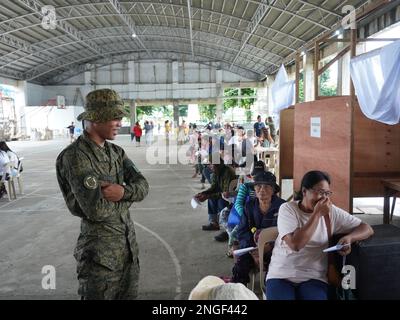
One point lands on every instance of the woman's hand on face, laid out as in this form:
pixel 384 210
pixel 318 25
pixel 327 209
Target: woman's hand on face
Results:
pixel 323 207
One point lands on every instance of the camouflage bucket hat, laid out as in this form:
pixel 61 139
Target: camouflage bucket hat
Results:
pixel 103 105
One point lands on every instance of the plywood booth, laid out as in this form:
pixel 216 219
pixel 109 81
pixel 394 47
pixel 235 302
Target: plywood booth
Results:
pixel 286 144
pixel 323 141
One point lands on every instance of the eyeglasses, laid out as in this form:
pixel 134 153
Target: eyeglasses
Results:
pixel 323 192
pixel 263 186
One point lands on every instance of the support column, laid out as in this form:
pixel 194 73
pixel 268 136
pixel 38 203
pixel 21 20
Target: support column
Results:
pixel 316 70
pixel 176 114
pixel 308 77
pixel 131 80
pixel 297 78
pixel 88 78
pixel 345 72
pixel 175 94
pixel 340 77
pixel 220 94
pixel 132 108
pixel 220 104
pixel 353 49
pixel 270 82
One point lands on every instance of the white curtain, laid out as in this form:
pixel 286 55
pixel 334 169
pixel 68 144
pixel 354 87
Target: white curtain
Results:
pixel 376 78
pixel 282 92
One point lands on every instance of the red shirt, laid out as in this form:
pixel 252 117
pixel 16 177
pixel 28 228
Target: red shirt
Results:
pixel 137 130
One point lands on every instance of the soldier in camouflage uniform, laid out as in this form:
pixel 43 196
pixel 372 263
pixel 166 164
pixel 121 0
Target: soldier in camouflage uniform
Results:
pixel 99 184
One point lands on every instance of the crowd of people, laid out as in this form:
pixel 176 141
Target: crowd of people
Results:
pixel 240 204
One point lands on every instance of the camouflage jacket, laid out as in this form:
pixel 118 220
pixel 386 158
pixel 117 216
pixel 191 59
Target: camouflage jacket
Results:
pixel 220 183
pixel 106 227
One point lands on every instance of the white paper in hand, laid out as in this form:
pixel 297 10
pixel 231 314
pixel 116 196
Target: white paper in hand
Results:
pixel 241 252
pixel 336 248
pixel 194 203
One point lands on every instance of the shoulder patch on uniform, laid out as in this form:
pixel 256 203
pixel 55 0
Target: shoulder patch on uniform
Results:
pixel 91 182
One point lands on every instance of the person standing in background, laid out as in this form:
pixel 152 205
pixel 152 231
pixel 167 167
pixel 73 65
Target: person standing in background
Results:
pixel 137 131
pixel 272 131
pixel 71 128
pixel 167 131
pixel 258 126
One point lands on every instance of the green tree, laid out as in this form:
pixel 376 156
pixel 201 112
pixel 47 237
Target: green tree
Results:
pixel 148 111
pixel 327 90
pixel 233 102
pixel 183 111
pixel 142 111
pixel 247 103
pixel 208 112
pixel 301 88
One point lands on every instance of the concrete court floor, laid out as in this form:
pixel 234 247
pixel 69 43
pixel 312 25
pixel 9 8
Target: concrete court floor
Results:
pixel 38 230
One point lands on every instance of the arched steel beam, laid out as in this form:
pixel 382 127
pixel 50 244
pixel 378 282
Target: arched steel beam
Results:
pixel 143 56
pixel 35 73
pixel 98 34
pixel 84 14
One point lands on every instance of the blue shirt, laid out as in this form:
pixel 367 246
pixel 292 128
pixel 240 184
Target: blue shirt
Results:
pixel 253 217
pixel 257 127
pixel 245 190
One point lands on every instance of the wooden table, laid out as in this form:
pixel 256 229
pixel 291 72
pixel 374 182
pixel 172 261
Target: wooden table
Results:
pixel 392 189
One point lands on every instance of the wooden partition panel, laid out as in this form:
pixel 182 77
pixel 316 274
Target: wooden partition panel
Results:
pixel 331 151
pixel 286 144
pixel 376 155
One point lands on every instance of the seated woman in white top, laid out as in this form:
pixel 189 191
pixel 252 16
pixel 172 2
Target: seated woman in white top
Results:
pixel 10 157
pixel 4 159
pixel 298 268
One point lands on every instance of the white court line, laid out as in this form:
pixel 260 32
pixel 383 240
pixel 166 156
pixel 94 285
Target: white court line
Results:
pixel 178 269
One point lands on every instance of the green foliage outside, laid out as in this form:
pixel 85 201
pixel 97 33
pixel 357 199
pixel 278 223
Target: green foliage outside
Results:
pixel 148 111
pixel 245 103
pixel 183 111
pixel 326 89
pixel 208 112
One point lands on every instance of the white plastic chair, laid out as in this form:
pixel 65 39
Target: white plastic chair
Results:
pixel 266 235
pixel 9 184
pixel 18 176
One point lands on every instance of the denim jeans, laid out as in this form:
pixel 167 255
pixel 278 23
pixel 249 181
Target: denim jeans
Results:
pixel 282 289
pixel 206 173
pixel 214 207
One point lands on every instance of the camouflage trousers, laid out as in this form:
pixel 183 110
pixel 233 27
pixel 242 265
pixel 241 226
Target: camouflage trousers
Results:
pixel 97 282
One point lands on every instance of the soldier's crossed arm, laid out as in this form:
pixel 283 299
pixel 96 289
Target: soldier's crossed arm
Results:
pixel 86 191
pixel 136 186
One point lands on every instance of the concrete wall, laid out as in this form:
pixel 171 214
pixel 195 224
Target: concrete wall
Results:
pixel 17 91
pixel 55 119
pixel 146 81
pixel 156 71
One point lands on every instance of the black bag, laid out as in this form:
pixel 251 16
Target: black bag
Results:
pixel 377 264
